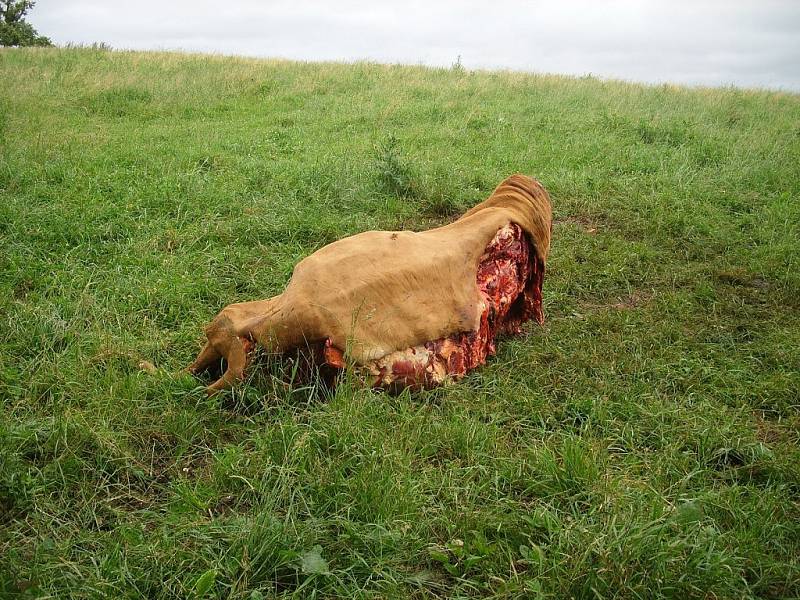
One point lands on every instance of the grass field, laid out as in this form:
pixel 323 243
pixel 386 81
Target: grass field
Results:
pixel 643 443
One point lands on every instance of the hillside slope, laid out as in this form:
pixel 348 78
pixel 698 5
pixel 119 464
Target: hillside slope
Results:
pixel 643 443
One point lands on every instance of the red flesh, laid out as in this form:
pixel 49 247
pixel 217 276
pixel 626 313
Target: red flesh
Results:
pixel 510 285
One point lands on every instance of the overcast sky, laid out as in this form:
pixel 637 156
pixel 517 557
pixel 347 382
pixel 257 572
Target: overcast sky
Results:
pixel 751 43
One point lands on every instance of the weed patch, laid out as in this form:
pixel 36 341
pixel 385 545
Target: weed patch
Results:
pixel 118 102
pixel 394 175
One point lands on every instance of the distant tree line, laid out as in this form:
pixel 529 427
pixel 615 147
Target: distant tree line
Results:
pixel 14 30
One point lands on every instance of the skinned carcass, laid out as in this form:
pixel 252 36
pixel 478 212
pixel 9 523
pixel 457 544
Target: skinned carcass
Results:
pixel 407 308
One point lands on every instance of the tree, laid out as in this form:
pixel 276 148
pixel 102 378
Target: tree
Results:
pixel 14 30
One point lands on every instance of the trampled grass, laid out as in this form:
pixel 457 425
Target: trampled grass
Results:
pixel 643 443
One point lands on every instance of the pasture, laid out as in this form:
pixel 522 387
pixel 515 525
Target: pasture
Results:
pixel 642 443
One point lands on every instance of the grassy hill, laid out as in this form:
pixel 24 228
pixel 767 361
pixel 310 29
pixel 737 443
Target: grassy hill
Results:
pixel 643 443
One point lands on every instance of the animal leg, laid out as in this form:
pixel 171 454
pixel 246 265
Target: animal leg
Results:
pixel 205 360
pixel 235 351
pixel 232 336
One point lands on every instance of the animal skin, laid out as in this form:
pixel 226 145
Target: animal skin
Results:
pixel 408 308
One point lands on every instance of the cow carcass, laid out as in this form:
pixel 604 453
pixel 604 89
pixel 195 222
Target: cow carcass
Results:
pixel 405 308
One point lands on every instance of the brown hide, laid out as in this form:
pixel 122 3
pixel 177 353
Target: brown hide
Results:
pixel 381 291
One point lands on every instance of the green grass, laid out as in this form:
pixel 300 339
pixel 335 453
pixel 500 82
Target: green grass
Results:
pixel 643 443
